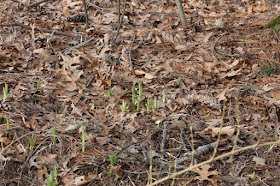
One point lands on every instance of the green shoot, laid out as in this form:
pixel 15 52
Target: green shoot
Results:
pixel 110 93
pixel 244 64
pixel 139 96
pixel 5 92
pixel 133 98
pixel 55 174
pixel 270 68
pixel 83 139
pixel 92 107
pixel 51 182
pixel 110 172
pixel 8 123
pixel 253 176
pixel 31 142
pixel 208 22
pixel 163 96
pixel 148 105
pixel 154 106
pixel 54 132
pixel 38 84
pixel 113 160
pixel 276 139
pixel 123 106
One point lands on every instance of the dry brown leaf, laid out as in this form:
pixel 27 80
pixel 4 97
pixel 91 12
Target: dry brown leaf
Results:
pixel 5 140
pixel 259 161
pixel 221 96
pixel 147 75
pixel 231 73
pixel 204 173
pixel 76 110
pixel 228 130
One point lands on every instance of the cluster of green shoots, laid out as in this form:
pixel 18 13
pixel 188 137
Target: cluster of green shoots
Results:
pixel 53 177
pixel 113 158
pixel 139 98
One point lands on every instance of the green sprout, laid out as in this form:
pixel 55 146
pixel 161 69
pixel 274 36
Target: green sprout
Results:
pixel 8 123
pixel 272 145
pixel 139 96
pixel 123 106
pixel 274 22
pixel 270 68
pixel 154 106
pixel 274 26
pixel 244 64
pixel 53 177
pixel 92 107
pixel 253 176
pixel 51 181
pixel 208 22
pixel 55 174
pixel 163 96
pixel 133 98
pixel 5 92
pixel 83 139
pixel 148 105
pixel 113 160
pixel 38 84
pixel 31 142
pixel 110 93
pixel 54 132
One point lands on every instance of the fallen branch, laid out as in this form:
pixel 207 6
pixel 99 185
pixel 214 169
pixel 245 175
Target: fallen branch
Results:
pixel 215 159
pixel 40 29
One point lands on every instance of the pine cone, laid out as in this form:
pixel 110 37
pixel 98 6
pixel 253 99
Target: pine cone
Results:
pixel 77 18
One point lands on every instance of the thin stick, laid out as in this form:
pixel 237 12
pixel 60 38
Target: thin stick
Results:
pixel 36 3
pixel 86 13
pixel 221 125
pixel 120 18
pixel 238 126
pixel 164 135
pixel 181 13
pixel 214 45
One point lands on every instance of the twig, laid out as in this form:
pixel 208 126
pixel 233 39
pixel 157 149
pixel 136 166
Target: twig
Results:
pixel 221 125
pixel 120 18
pixel 79 45
pixel 129 54
pixel 36 3
pixel 181 13
pixel 164 135
pixel 86 13
pixel 204 149
pixel 40 29
pixel 97 7
pixel 214 45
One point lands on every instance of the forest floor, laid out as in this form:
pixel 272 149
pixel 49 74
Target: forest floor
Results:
pixel 67 86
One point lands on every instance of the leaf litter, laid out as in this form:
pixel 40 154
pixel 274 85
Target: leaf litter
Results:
pixel 219 57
